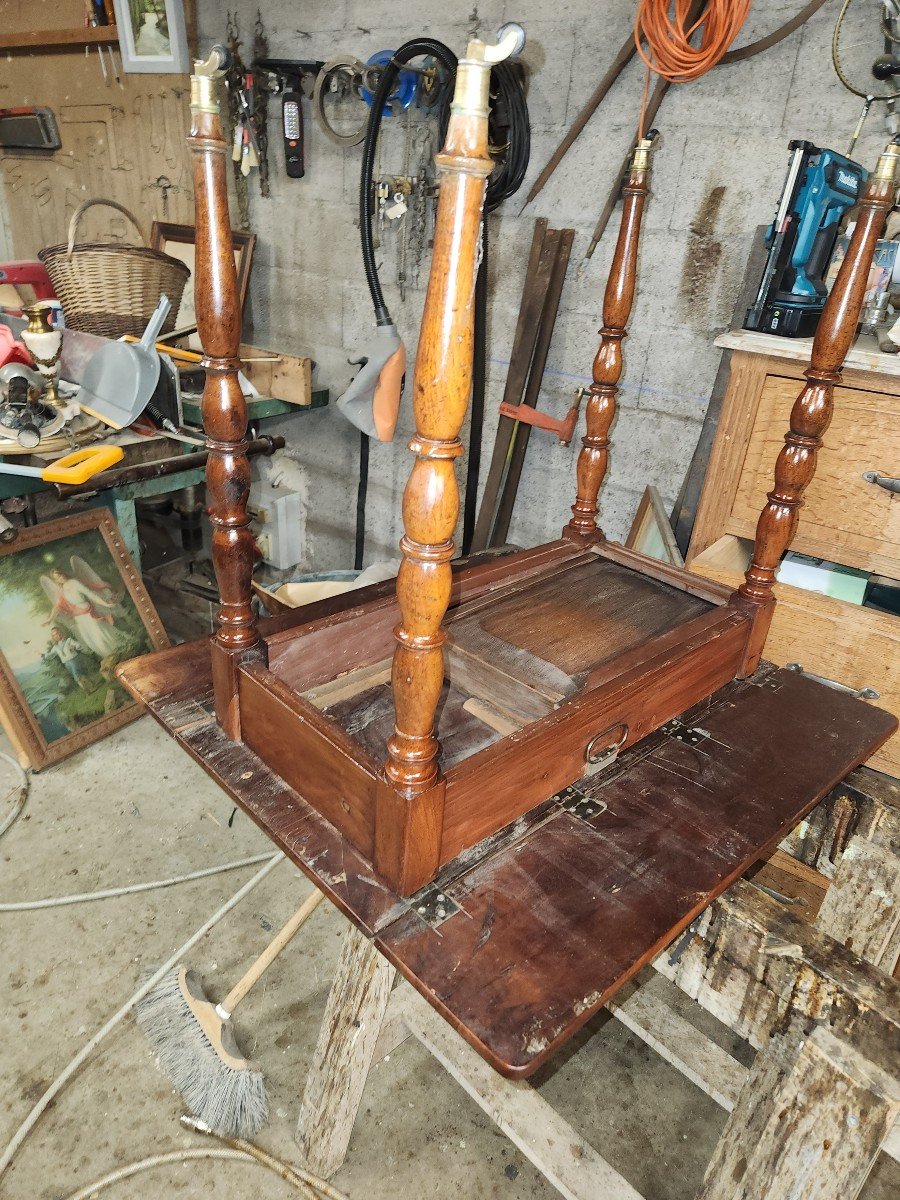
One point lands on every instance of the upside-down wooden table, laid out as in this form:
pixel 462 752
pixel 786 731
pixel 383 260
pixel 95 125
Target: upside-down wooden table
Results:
pixel 596 753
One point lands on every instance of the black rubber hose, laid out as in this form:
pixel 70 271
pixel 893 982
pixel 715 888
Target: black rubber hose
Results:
pixel 407 52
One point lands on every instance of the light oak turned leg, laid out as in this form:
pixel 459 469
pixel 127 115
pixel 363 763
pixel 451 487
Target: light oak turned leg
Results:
pixel 344 1053
pixel 808 1124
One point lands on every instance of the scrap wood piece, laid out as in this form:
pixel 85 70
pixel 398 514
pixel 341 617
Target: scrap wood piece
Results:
pixel 808 1124
pixel 544 277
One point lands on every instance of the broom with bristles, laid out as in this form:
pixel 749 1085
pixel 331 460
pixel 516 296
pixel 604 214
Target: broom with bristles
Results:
pixel 195 1044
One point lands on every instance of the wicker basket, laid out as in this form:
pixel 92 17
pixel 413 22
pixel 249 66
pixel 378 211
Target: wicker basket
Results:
pixel 109 289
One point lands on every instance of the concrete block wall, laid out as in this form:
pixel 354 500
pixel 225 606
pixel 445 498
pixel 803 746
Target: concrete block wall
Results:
pixel 717 176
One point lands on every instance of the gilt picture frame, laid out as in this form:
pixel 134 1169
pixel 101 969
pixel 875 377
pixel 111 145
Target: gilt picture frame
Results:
pixel 152 36
pixel 72 607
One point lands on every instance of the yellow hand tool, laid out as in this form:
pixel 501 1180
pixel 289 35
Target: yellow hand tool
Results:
pixel 77 467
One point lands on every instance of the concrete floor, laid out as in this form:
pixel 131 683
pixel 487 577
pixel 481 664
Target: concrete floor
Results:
pixel 135 808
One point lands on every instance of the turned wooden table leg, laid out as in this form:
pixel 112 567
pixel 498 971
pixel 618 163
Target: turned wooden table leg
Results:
pixel 618 300
pixel 811 414
pixel 808 1124
pixel 410 804
pixel 223 407
pixel 344 1053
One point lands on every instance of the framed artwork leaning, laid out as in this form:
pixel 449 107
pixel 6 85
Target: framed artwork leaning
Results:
pixel 180 242
pixel 72 607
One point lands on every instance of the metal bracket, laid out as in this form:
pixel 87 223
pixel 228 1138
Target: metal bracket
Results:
pixel 690 735
pixel 434 906
pixel 863 693
pixel 580 805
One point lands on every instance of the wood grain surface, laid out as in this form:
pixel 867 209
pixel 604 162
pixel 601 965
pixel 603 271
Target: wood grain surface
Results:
pixel 558 910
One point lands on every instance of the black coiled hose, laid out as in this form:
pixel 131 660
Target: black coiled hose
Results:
pixel 407 52
pixel 508 109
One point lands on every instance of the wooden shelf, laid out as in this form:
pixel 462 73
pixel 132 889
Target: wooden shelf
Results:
pixel 59 39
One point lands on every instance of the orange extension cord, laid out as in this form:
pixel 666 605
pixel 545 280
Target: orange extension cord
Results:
pixel 669 52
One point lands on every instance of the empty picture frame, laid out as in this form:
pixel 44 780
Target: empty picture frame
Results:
pixel 152 36
pixel 180 242
pixel 651 533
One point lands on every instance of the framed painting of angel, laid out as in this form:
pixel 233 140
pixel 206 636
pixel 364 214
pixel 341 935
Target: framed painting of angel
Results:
pixel 72 607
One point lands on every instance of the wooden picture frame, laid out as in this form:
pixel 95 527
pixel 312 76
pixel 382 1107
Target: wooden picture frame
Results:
pixel 152 36
pixel 651 532
pixel 180 242
pixel 45 643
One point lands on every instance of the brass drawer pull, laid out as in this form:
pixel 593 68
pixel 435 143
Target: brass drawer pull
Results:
pixel 883 481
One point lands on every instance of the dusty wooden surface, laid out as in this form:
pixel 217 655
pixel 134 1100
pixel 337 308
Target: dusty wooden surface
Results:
pixel 552 634
pixel 808 1124
pixel 560 909
pixel 347 1039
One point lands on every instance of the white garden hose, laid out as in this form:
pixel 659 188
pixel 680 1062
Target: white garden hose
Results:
pixel 106 893
pixel 162 1160
pixel 21 788
pixel 63 1078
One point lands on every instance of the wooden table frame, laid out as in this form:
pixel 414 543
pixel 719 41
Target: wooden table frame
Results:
pixel 826 1022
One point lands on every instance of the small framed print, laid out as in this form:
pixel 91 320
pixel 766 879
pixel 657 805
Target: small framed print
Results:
pixel 152 36
pixel 72 607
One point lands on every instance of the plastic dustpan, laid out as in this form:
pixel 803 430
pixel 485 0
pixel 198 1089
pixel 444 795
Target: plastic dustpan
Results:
pixel 120 378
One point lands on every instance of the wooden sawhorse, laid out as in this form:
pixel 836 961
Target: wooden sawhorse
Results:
pixel 826 1022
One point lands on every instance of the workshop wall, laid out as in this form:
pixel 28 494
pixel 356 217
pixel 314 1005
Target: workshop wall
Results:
pixel 717 176
pixel 119 142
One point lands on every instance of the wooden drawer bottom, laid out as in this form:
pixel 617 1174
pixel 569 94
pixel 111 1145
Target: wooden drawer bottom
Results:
pixel 856 646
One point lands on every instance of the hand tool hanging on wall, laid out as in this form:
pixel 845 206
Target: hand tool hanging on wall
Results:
pixel 290 74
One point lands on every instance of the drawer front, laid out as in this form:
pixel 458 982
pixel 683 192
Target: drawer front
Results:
pixel 843 519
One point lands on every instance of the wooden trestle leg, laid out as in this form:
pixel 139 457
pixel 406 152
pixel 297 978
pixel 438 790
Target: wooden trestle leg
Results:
pixel 223 407
pixel 607 369
pixel 811 414
pixel 412 799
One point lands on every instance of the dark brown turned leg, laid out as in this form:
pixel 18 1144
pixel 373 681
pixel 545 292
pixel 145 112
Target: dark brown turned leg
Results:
pixel 223 407
pixel 811 414
pixel 607 370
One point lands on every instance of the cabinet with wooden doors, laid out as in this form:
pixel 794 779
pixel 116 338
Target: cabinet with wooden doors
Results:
pixel 848 517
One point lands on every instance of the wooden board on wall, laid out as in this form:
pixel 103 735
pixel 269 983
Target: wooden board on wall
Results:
pixel 116 141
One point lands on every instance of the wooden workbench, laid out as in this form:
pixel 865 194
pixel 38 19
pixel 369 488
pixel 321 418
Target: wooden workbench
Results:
pixel 521 939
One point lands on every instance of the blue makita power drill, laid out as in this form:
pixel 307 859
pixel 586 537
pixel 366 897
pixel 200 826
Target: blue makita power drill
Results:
pixel 819 188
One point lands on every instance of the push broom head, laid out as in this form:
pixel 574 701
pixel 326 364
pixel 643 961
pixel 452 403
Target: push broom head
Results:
pixel 196 1048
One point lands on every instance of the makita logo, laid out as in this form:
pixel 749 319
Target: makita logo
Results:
pixel 845 179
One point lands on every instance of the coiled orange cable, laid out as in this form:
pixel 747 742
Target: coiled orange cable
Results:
pixel 668 34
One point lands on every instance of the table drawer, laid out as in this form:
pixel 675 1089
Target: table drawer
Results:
pixel 853 645
pixel 844 519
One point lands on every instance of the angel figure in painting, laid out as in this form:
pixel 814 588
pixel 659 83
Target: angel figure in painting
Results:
pixel 86 604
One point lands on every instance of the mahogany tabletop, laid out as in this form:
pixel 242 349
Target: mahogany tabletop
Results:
pixel 524 937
